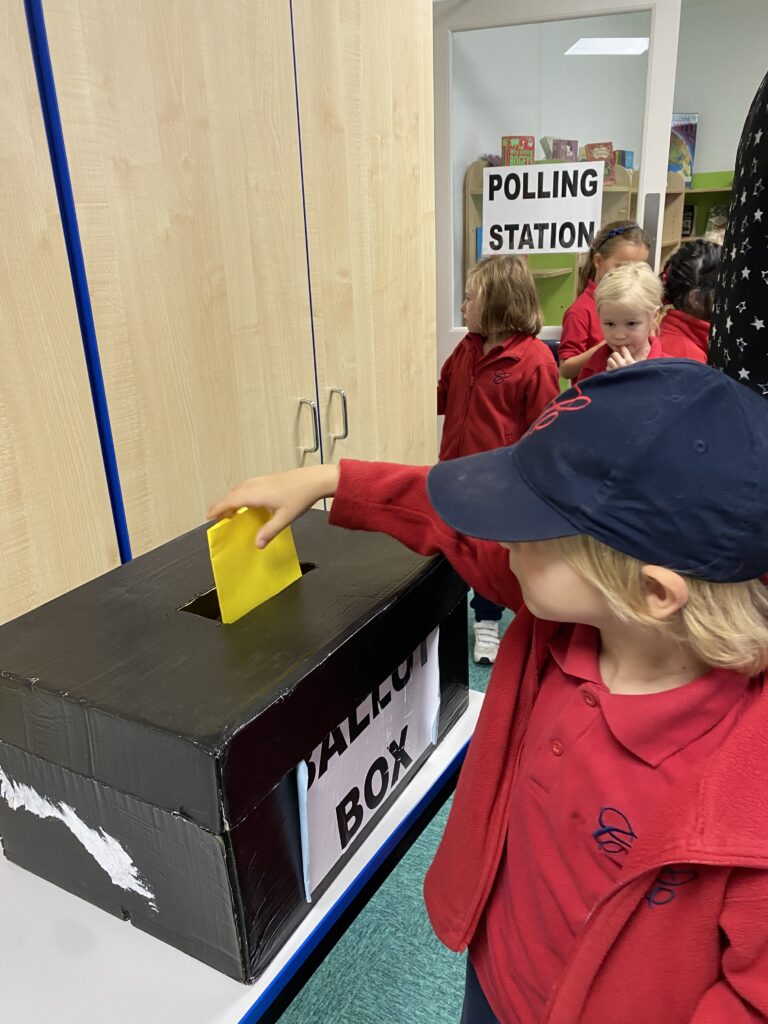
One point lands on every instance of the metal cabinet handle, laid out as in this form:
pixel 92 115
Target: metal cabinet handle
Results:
pixel 315 427
pixel 344 415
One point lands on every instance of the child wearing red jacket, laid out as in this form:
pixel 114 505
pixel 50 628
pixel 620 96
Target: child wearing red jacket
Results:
pixel 689 278
pixel 620 242
pixel 606 853
pixel 494 385
pixel 628 302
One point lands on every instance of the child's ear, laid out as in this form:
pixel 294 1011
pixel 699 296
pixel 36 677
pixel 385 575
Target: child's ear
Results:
pixel 666 592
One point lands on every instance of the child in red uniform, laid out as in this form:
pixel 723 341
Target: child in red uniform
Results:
pixel 606 854
pixel 617 243
pixel 689 277
pixel 494 385
pixel 628 301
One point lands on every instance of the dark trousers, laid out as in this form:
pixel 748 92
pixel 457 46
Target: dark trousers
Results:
pixel 485 610
pixel 476 1009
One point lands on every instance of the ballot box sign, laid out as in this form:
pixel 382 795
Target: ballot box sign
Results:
pixel 365 759
pixel 541 207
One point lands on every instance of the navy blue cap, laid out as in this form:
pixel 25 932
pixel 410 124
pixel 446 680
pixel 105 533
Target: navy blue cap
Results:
pixel 666 461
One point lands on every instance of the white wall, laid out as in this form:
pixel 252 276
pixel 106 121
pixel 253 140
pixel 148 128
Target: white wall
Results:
pixel 722 58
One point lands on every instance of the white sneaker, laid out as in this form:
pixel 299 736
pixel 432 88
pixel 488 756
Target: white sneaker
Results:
pixel 486 642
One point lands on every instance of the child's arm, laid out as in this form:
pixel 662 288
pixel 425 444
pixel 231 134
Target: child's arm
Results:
pixel 740 994
pixel 574 335
pixel 377 496
pixel 571 368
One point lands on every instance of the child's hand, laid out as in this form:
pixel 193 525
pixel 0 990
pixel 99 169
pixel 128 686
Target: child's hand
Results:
pixel 286 495
pixel 620 357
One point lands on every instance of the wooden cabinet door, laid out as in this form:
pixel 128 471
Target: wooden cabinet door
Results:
pixel 364 73
pixel 56 528
pixel 179 120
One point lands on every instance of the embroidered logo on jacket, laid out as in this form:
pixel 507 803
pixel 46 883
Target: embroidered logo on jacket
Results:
pixel 500 376
pixel 615 834
pixel 669 880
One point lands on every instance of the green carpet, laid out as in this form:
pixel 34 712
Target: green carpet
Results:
pixel 388 967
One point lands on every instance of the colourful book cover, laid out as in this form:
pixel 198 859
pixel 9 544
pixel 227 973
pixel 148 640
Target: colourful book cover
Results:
pixel 517 149
pixel 566 150
pixel 682 144
pixel 603 151
pixel 689 217
pixel 625 158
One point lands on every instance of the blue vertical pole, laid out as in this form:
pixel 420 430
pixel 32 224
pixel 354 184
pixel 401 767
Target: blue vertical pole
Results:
pixel 47 89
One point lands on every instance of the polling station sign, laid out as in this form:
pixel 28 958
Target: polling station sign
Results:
pixel 366 757
pixel 541 207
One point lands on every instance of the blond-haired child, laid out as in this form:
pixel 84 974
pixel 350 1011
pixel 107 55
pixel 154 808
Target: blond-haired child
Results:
pixel 494 385
pixel 606 854
pixel 620 242
pixel 628 302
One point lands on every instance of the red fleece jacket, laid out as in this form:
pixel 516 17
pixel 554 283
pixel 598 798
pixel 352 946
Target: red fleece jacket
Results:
pixel 702 962
pixel 680 330
pixel 490 400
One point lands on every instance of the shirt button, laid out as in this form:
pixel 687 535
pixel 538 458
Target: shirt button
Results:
pixel 589 699
pixel 557 747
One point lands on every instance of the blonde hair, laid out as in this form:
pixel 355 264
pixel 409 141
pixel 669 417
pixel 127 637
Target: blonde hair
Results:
pixel 724 624
pixel 634 285
pixel 506 295
pixel 607 241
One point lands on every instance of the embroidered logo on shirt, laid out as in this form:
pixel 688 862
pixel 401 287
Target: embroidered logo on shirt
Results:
pixel 500 376
pixel 557 406
pixel 669 880
pixel 615 834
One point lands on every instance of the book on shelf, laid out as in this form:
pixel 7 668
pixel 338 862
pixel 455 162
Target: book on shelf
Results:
pixel 682 145
pixel 517 149
pixel 565 150
pixel 625 158
pixel 689 217
pixel 717 218
pixel 603 151
pixel 478 243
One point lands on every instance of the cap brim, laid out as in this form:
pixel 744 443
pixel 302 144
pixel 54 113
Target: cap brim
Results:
pixel 486 496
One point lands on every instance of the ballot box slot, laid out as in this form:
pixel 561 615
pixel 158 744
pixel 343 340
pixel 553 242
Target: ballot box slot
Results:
pixel 207 605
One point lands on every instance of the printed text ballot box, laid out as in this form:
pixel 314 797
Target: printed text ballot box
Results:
pixel 365 758
pixel 541 207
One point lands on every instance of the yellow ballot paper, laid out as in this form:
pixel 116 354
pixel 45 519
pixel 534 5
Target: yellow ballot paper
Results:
pixel 246 576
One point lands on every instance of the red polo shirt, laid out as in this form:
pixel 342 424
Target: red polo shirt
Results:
pixel 598 361
pixel 594 766
pixel 581 325
pixel 682 335
pixel 490 400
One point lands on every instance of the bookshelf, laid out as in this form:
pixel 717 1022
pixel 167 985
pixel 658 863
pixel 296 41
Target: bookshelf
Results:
pixel 672 225
pixel 708 189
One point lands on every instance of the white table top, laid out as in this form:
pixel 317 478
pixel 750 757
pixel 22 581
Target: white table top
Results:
pixel 63 961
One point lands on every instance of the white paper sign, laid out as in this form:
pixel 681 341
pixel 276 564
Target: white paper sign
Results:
pixel 541 207
pixel 364 758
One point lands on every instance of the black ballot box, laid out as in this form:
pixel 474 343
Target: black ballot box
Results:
pixel 149 754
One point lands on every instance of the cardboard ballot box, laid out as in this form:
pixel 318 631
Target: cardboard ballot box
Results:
pixel 203 780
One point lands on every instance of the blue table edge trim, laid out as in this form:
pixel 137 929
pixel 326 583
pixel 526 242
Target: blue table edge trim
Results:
pixel 276 986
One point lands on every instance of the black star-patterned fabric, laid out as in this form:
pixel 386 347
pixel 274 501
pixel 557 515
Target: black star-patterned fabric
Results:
pixel 738 339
